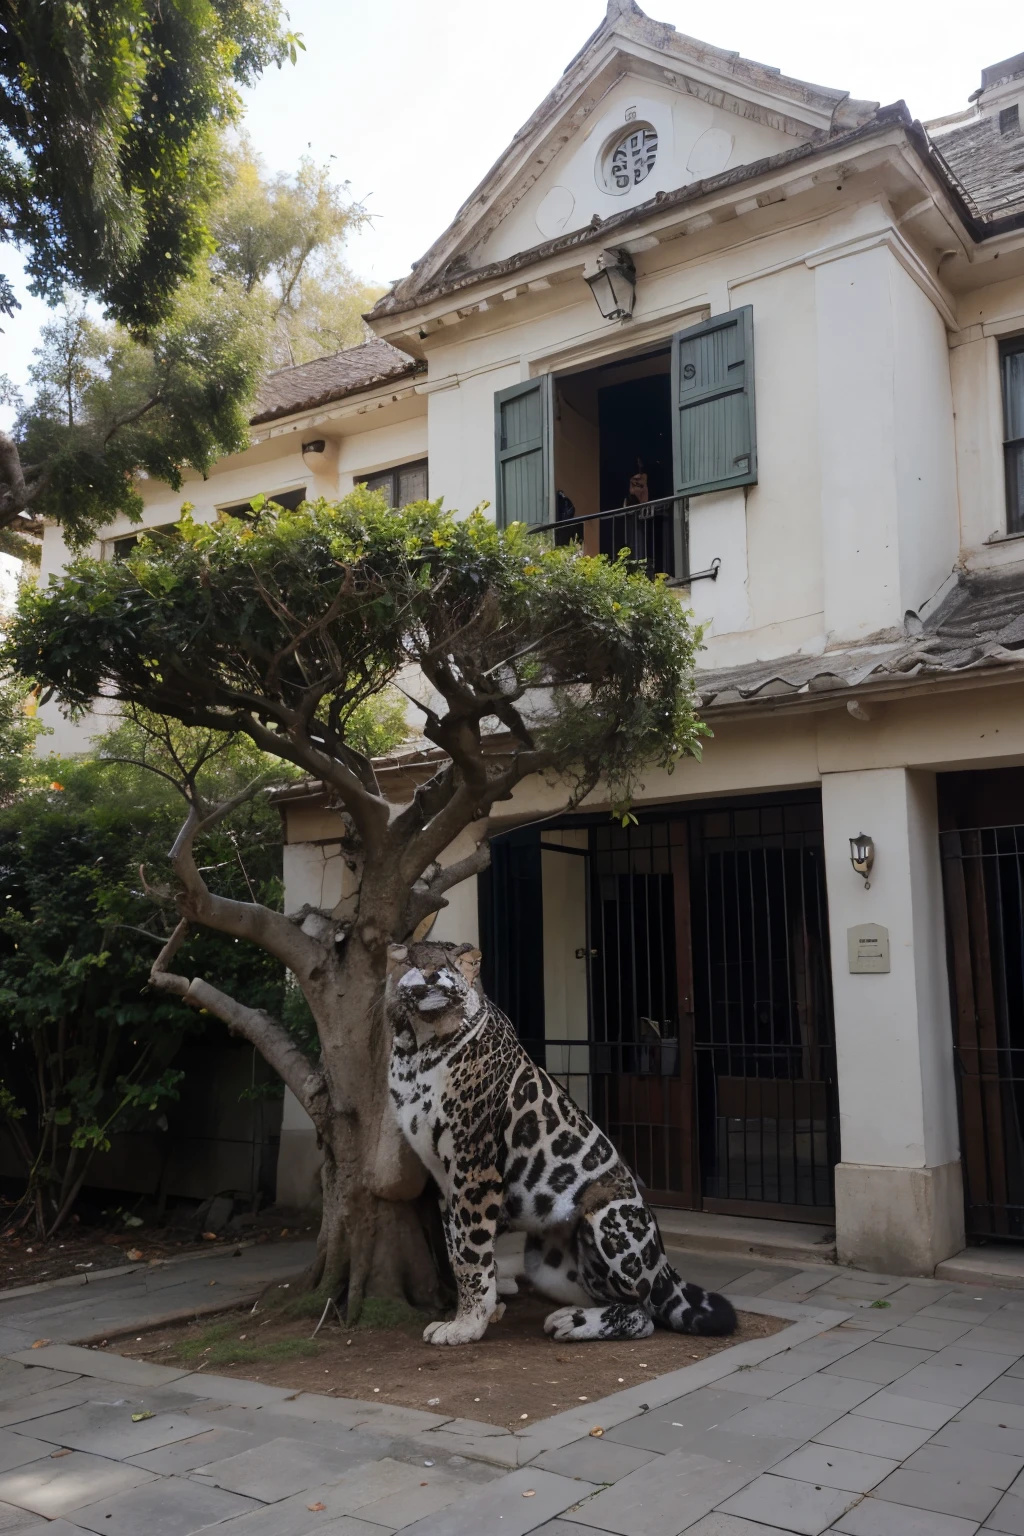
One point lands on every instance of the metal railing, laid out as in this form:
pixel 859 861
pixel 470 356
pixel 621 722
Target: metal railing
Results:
pixel 656 533
pixel 983 880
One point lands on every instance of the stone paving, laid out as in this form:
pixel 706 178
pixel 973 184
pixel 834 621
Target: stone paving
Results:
pixel 886 1407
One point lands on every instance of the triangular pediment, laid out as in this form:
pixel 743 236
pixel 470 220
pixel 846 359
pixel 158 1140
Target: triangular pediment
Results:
pixel 641 110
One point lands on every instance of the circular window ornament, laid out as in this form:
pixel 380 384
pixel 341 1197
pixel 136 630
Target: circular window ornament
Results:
pixel 629 158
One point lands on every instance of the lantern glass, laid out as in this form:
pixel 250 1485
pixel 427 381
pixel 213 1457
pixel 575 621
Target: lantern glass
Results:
pixel 862 853
pixel 614 287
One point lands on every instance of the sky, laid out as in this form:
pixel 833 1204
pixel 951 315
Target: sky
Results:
pixel 416 99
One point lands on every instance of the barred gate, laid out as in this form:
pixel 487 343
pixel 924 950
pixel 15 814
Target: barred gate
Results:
pixel 709 1055
pixel 983 883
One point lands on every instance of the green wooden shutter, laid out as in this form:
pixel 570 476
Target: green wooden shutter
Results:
pixel 715 440
pixel 522 447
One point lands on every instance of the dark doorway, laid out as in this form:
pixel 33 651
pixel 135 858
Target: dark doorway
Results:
pixel 613 449
pixel 981 817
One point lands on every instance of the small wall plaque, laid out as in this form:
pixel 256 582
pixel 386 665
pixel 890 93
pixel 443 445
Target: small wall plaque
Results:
pixel 868 948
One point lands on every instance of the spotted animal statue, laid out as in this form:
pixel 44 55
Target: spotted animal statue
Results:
pixel 509 1149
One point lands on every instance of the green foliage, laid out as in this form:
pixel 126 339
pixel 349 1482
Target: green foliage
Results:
pixel 112 403
pixel 109 406
pixel 87 1050
pixel 18 731
pixel 282 236
pixel 320 609
pixel 109 120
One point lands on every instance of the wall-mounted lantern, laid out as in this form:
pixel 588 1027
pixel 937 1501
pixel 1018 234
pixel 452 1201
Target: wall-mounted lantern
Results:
pixel 612 280
pixel 862 856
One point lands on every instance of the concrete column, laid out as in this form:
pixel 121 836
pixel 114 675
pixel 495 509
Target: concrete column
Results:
pixel 890 520
pixel 899 1196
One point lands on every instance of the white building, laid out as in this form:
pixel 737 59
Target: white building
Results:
pixel 822 379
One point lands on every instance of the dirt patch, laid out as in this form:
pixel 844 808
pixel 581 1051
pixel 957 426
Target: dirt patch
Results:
pixel 515 1375
pixel 86 1250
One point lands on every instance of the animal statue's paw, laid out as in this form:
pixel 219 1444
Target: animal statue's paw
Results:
pixel 460 1330
pixel 567 1323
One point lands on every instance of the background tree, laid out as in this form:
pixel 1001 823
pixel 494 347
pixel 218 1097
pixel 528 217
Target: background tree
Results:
pixel 110 403
pixel 283 235
pixel 111 116
pixel 538 661
pixel 88 1049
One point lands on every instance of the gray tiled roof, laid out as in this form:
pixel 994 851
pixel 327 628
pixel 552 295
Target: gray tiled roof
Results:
pixel 989 165
pixel 980 624
pixel 330 378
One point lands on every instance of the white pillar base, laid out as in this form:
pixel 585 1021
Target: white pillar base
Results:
pixel 898 1221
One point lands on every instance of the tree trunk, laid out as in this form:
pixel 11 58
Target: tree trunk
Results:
pixel 379 1229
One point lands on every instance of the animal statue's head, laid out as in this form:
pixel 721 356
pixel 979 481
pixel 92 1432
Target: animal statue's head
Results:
pixel 432 988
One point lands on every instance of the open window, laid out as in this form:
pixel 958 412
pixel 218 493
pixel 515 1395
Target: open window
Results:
pixel 612 454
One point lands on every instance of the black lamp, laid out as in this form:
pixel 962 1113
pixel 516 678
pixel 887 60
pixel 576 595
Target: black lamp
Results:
pixel 862 856
pixel 612 281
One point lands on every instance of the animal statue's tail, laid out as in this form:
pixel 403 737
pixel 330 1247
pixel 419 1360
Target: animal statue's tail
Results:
pixel 689 1308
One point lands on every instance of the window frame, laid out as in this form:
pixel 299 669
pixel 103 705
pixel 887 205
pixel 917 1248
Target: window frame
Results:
pixel 120 546
pixel 394 470
pixel 244 508
pixel 1011 346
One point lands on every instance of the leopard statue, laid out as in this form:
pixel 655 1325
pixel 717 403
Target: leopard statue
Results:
pixel 508 1149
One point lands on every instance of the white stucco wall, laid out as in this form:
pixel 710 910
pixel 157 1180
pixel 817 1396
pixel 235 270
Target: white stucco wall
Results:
pixel 905 1114
pixel 694 139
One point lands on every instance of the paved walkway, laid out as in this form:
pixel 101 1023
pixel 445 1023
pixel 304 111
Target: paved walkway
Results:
pixel 884 1408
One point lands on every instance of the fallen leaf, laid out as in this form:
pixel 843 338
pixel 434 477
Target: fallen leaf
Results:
pixel 597 1431
pixel 432 1402
pixel 56 1455
pixel 317 1506
pixel 133 1254
pixel 210 1237
pixel 529 1493
pixel 137 1418
pixel 213 1282
pixel 40 1343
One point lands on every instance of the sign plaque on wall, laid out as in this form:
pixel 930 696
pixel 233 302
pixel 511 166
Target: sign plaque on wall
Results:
pixel 868 948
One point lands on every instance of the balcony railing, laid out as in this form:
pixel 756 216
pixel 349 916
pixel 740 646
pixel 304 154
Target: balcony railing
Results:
pixel 656 533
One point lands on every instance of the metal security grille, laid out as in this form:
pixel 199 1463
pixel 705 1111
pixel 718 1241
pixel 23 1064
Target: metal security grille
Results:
pixel 983 881
pixel 707 1051
pixel 767 1105
pixel 640 1063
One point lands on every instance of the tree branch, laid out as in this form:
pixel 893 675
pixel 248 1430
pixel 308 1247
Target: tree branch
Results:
pixel 271 930
pixel 428 896
pixel 19 486
pixel 270 1038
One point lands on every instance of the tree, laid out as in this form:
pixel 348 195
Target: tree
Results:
pixel 111 406
pixel 88 1047
pixel 538 661
pixel 282 235
pixel 111 117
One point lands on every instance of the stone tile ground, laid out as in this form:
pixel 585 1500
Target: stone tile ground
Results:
pixel 885 1408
